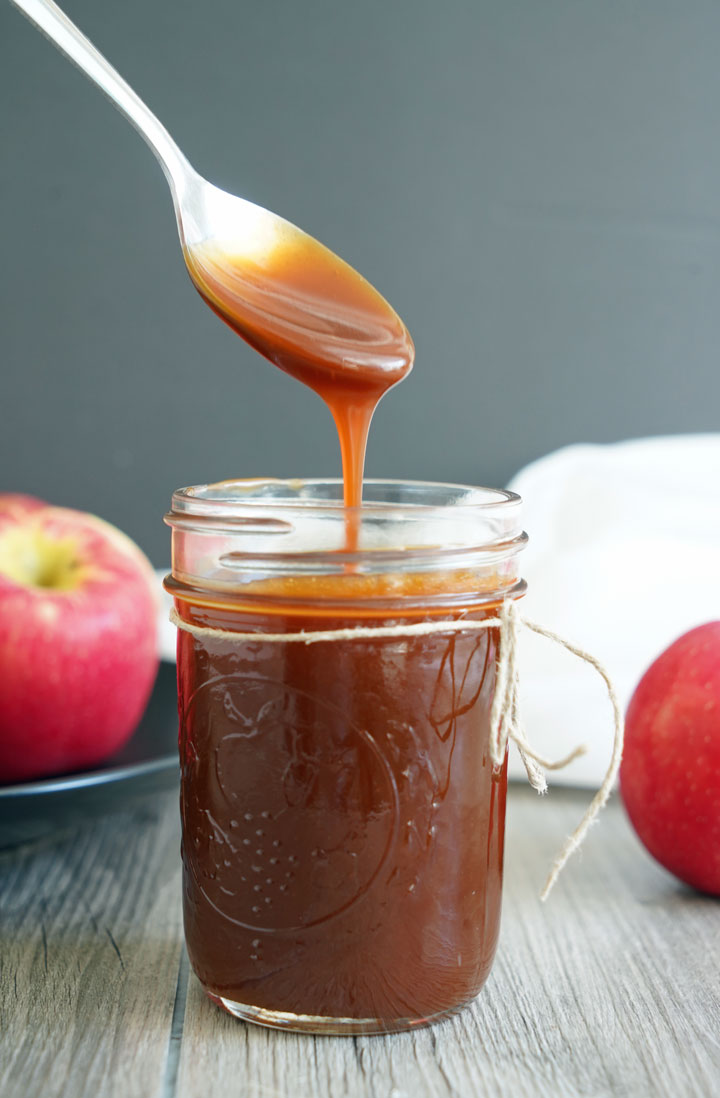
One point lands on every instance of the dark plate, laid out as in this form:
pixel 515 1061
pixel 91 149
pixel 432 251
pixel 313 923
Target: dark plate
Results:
pixel 147 764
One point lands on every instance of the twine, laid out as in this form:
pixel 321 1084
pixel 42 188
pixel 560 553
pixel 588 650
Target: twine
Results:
pixel 505 719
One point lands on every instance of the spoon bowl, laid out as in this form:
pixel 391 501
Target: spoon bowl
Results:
pixel 294 300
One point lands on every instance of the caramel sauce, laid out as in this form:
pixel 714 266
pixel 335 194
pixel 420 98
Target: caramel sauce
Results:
pixel 390 594
pixel 342 824
pixel 316 318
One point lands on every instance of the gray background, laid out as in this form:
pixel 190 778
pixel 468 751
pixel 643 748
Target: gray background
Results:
pixel 534 185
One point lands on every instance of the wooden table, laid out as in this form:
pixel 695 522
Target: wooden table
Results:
pixel 611 988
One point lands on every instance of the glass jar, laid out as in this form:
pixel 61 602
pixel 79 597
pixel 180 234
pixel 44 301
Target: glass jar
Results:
pixel 342 822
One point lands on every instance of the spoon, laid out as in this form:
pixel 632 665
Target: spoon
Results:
pixel 290 297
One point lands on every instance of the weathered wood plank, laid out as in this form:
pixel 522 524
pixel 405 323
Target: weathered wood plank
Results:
pixel 611 989
pixel 90 939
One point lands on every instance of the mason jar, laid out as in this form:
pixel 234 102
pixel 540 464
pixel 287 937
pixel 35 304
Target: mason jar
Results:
pixel 342 821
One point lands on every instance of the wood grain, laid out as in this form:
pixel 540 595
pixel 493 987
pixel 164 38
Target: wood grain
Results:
pixel 610 990
pixel 89 948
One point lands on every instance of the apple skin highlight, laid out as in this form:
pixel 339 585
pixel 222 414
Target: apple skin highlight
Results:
pixel 670 774
pixel 78 645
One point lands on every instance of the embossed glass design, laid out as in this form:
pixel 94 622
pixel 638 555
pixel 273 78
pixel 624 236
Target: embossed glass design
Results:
pixel 342 824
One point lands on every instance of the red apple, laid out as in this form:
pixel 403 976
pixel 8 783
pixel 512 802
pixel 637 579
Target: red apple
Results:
pixel 670 774
pixel 78 649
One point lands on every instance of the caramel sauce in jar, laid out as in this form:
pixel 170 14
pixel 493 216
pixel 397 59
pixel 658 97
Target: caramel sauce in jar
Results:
pixel 342 822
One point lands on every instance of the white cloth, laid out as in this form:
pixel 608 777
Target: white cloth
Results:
pixel 624 557
pixel 167 633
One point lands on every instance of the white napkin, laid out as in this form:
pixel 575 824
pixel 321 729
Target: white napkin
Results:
pixel 624 556
pixel 167 633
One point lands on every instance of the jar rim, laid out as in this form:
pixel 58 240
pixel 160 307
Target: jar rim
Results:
pixel 230 535
pixel 224 498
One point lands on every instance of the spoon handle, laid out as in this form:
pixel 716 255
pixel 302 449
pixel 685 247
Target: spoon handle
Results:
pixel 61 31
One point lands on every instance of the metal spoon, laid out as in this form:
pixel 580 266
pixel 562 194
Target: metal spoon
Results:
pixel 278 287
